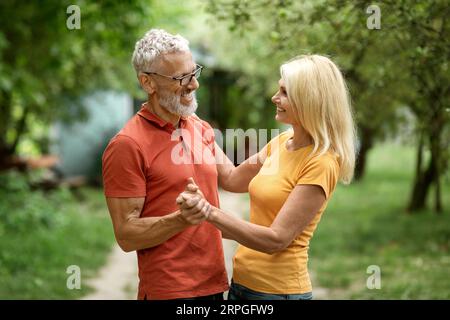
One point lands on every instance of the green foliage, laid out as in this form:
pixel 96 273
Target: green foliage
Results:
pixel 22 210
pixel 43 64
pixel 35 253
pixel 285 29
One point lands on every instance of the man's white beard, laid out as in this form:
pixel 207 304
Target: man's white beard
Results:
pixel 172 103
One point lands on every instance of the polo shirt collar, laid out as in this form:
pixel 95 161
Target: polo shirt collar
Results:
pixel 150 116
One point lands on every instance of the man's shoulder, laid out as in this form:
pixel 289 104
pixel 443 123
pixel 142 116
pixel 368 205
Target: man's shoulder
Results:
pixel 122 143
pixel 131 133
pixel 138 130
pixel 196 119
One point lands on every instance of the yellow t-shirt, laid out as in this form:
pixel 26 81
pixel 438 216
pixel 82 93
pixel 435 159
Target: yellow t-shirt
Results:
pixel 284 272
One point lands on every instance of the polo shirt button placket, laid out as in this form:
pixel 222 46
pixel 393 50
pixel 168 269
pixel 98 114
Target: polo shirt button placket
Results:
pixel 183 143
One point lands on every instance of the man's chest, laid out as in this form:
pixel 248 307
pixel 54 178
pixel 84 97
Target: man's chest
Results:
pixel 173 163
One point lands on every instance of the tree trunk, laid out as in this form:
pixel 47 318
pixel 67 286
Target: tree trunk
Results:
pixel 421 187
pixel 438 198
pixel 424 179
pixel 5 115
pixel 8 149
pixel 367 139
pixel 437 183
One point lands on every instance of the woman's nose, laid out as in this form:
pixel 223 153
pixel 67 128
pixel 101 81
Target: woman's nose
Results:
pixel 275 98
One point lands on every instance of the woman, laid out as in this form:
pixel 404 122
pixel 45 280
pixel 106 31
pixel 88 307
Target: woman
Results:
pixel 290 182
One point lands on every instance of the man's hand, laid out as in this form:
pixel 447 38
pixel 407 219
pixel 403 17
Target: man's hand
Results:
pixel 193 206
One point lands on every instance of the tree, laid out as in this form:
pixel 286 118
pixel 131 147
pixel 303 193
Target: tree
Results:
pixel 44 64
pixel 335 28
pixel 423 33
pixel 405 63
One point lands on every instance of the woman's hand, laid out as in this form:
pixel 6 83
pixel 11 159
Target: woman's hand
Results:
pixel 193 206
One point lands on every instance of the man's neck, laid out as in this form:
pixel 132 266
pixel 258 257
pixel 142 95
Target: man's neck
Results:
pixel 162 113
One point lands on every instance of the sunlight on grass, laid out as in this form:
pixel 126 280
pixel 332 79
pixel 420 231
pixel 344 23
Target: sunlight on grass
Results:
pixel 366 224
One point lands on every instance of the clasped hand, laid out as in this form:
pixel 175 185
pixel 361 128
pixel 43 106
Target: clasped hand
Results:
pixel 193 206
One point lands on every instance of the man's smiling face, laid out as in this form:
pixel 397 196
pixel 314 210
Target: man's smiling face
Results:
pixel 177 99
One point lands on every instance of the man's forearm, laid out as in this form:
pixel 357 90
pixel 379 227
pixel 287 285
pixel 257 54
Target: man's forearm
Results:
pixel 142 233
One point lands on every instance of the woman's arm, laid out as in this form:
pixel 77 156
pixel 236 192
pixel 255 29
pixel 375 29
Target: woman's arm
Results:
pixel 236 179
pixel 299 209
pixel 226 236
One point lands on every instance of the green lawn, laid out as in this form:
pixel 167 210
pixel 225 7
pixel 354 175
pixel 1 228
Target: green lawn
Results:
pixel 42 235
pixel 366 224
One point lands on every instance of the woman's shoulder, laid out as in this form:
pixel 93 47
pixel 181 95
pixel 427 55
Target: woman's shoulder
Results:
pixel 282 137
pixel 285 134
pixel 328 159
pixel 275 142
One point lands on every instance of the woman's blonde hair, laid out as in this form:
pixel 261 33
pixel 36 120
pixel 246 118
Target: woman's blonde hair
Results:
pixel 317 91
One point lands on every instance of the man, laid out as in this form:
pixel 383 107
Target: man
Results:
pixel 179 254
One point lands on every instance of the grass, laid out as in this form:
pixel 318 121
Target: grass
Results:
pixel 366 224
pixel 33 261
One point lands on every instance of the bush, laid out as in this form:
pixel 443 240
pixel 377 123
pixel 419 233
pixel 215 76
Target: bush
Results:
pixel 44 233
pixel 22 209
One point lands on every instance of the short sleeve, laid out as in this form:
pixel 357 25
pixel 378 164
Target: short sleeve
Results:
pixel 123 168
pixel 322 171
pixel 208 136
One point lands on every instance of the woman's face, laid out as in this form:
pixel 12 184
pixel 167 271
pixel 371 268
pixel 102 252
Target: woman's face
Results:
pixel 285 112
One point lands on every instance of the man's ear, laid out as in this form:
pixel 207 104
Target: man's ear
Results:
pixel 147 83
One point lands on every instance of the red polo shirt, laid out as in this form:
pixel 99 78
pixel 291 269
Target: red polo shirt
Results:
pixel 149 158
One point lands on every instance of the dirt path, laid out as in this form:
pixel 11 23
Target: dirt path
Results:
pixel 234 204
pixel 118 280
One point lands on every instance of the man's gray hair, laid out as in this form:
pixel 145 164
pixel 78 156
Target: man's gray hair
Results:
pixel 152 45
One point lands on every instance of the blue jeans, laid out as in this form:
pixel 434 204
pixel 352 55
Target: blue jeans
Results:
pixel 239 292
pixel 216 297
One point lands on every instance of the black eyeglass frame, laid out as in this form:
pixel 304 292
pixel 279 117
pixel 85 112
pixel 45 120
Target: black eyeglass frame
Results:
pixel 198 69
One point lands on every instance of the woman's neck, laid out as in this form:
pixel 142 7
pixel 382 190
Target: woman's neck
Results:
pixel 300 139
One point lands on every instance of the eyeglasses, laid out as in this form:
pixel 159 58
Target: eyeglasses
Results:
pixel 184 80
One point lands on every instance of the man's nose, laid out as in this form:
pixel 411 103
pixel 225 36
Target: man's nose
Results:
pixel 193 84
